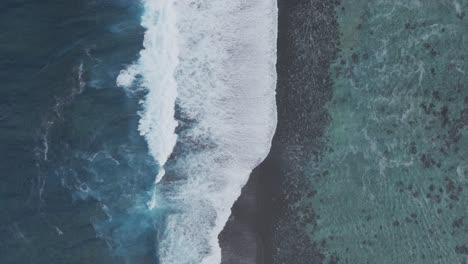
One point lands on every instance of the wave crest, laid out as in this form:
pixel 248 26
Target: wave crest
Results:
pixel 216 60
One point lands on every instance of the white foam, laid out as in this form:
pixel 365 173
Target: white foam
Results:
pixel 156 66
pixel 225 79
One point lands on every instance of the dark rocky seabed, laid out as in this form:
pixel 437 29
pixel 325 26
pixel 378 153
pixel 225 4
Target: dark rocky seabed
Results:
pixel 368 164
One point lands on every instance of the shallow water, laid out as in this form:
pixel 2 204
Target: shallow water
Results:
pixel 390 176
pixel 396 171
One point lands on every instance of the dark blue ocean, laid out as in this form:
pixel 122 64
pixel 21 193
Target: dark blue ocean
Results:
pixel 73 165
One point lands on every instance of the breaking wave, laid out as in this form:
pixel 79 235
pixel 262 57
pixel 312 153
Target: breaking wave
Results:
pixel 213 61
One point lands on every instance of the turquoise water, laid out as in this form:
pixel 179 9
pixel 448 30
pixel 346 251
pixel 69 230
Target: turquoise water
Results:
pixel 391 188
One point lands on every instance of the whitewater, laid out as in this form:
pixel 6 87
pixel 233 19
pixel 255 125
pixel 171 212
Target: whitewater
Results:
pixel 209 113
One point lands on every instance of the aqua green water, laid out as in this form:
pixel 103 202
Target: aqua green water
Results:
pixel 392 186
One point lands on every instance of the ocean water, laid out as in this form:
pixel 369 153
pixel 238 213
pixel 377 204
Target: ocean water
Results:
pixel 127 127
pixel 387 180
pixel 73 164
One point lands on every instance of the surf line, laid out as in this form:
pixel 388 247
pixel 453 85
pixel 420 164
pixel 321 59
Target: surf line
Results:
pixel 155 71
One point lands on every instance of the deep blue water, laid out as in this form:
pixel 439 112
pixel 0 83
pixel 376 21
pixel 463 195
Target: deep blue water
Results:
pixel 73 167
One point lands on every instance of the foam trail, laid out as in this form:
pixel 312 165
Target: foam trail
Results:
pixel 224 80
pixel 156 66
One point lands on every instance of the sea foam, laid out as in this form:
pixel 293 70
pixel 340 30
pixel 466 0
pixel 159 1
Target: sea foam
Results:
pixel 216 60
pixel 156 66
